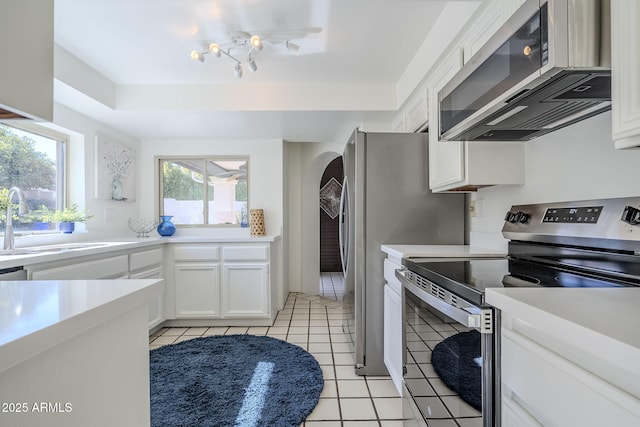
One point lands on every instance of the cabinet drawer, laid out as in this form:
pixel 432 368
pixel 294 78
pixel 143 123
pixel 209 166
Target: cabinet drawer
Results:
pixel 113 267
pixel 140 260
pixel 245 253
pixel 196 253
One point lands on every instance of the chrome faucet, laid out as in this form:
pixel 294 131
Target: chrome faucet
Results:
pixel 9 238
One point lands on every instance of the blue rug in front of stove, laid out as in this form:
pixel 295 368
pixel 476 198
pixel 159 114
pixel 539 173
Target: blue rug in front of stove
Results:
pixel 233 380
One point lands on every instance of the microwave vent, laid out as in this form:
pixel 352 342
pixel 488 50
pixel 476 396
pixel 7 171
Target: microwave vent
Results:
pixel 555 114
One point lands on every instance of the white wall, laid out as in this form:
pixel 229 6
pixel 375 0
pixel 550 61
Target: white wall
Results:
pixel 265 174
pixel 305 165
pixel 82 131
pixel 574 163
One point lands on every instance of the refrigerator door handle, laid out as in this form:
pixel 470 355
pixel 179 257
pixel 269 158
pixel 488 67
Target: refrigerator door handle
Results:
pixel 343 230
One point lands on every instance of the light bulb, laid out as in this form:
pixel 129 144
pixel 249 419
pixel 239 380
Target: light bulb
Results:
pixel 256 42
pixel 197 56
pixel 214 48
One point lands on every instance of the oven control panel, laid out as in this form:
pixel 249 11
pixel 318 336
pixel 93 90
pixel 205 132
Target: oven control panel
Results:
pixel 607 223
pixel 583 214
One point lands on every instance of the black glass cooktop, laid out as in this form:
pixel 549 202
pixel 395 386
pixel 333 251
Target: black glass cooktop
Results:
pixel 469 278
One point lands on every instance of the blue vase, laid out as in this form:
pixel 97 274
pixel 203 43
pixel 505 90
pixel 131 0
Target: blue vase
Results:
pixel 166 227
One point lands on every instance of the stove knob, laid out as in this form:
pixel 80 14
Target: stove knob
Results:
pixel 510 217
pixel 522 217
pixel 631 215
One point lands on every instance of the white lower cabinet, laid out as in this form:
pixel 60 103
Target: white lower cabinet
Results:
pixel 156 307
pixel 226 283
pixel 540 387
pixel 144 264
pixel 148 264
pixel 393 348
pixel 245 290
pixel 197 289
pixel 393 318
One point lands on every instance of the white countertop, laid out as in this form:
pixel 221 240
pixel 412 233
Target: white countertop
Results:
pixel 87 248
pixel 438 251
pixel 595 328
pixel 37 315
pixel 611 313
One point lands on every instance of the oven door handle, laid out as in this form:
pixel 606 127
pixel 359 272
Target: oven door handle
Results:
pixel 471 316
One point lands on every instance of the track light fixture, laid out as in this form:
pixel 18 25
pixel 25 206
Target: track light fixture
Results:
pixel 251 64
pixel 293 48
pixel 242 44
pixel 238 70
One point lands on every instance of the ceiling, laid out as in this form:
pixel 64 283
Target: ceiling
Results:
pixel 353 52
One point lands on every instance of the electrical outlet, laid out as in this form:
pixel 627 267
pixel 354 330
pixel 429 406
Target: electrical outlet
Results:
pixel 108 214
pixel 472 208
pixel 480 208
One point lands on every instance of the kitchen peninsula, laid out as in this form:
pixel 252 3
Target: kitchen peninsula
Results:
pixel 69 348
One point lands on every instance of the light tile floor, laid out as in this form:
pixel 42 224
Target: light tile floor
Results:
pixel 332 285
pixel 315 324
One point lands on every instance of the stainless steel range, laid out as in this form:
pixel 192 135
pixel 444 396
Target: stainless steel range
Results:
pixel 594 243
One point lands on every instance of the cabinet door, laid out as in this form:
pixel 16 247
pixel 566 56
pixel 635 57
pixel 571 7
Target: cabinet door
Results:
pixel 489 21
pixel 26 49
pixel 416 112
pixel 398 124
pixel 557 392
pixel 513 415
pixel 446 159
pixel 625 73
pixel 245 290
pixel 156 307
pixel 393 349
pixel 197 290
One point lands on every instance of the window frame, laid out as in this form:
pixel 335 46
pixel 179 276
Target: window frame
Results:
pixel 63 143
pixel 204 158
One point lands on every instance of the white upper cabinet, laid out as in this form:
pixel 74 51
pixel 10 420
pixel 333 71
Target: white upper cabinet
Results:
pixel 413 115
pixel 416 110
pixel 445 158
pixel 484 27
pixel 26 49
pixel 398 124
pixel 467 166
pixel 625 73
pixel 509 7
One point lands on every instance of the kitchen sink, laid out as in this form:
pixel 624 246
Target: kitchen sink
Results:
pixel 50 249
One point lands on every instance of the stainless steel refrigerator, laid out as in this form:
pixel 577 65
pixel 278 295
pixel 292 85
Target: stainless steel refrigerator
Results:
pixel 385 200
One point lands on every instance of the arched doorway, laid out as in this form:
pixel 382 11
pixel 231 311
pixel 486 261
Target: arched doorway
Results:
pixel 331 276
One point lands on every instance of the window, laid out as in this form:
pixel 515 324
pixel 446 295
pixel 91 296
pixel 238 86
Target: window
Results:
pixel 187 182
pixel 32 159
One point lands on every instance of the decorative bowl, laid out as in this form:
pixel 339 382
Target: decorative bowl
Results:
pixel 142 226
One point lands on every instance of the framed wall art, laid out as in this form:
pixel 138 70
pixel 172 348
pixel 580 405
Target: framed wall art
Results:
pixel 115 170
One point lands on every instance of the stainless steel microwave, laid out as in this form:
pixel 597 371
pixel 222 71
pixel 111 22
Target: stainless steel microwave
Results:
pixel 547 67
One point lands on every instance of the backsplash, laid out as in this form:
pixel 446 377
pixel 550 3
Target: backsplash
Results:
pixel 575 163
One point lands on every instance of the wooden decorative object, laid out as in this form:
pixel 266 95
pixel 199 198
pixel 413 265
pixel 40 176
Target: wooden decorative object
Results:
pixel 256 227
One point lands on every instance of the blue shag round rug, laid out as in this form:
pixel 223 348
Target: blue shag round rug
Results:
pixel 457 360
pixel 233 380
